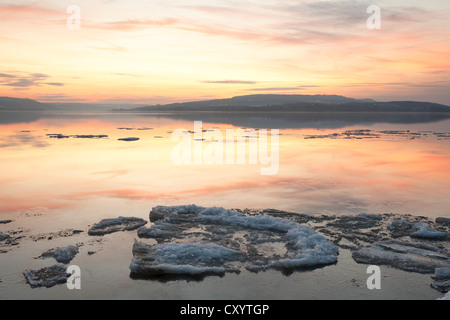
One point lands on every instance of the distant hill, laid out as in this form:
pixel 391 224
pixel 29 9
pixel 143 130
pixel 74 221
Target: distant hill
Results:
pixel 88 107
pixel 7 103
pixel 248 103
pixel 16 104
pixel 254 101
pixel 295 103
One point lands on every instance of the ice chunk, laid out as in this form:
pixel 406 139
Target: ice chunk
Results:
pixel 61 255
pixel 400 228
pixel 144 232
pixel 4 237
pixel 443 220
pixel 361 221
pixel 106 226
pixel 371 216
pixel 442 273
pixel 405 256
pixel 181 258
pixel 401 225
pixel 422 230
pixel 441 279
pixel 46 277
pixel 54 235
pixel 425 232
pixel 164 212
pixel 248 235
pixel 311 249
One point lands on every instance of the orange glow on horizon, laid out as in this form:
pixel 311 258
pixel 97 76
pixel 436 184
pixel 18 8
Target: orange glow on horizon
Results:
pixel 161 53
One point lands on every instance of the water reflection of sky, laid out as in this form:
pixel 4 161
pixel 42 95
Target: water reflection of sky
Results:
pixel 107 177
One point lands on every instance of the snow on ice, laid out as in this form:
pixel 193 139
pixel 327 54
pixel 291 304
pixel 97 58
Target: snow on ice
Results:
pixel 115 225
pixel 195 240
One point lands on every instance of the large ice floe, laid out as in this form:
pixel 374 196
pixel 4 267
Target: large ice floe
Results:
pixel 193 240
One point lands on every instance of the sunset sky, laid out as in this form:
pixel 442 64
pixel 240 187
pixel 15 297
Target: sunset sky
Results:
pixel 162 51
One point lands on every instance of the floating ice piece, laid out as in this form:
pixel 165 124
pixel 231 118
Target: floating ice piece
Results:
pixel 153 233
pixel 443 286
pixel 442 273
pixel 422 230
pixel 425 232
pixel 405 256
pixel 443 220
pixel 261 241
pixel 114 225
pixel 46 277
pixel 90 136
pixel 441 279
pixel 61 255
pixel 164 212
pixel 193 259
pixel 58 136
pixel 371 216
pixel 400 227
pixel 4 237
pixel 129 139
pixel 53 235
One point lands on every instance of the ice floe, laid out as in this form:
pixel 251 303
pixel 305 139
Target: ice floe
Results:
pixel 424 231
pixel 441 279
pixel 181 259
pixel 4 237
pixel 54 235
pixel 415 257
pixel 220 240
pixel 443 220
pixel 421 230
pixel 46 277
pixel 106 226
pixel 129 139
pixel 61 255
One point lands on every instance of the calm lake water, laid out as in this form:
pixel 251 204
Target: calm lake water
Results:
pixel 401 173
pixel 327 164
